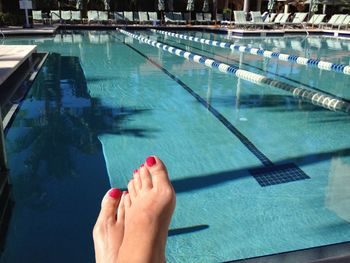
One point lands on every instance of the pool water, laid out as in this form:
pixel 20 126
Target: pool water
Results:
pixel 103 102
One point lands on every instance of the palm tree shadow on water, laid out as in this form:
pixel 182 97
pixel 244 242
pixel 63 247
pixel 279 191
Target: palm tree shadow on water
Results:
pixel 56 162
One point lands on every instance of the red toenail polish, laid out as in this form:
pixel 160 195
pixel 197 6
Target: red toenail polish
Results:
pixel 136 171
pixel 142 165
pixel 150 161
pixel 125 192
pixel 115 193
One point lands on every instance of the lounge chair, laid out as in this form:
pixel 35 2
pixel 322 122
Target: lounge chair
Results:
pixel 278 18
pixel 169 17
pixel 283 19
pixel 66 16
pixel 315 20
pixel 129 16
pixel 270 17
pixel 345 24
pixel 92 16
pixel 330 22
pixel 55 16
pixel 37 16
pixel 103 16
pixel 136 17
pixel 337 22
pixel 76 16
pixel 199 18
pixel 178 18
pixel 119 17
pixel 297 20
pixel 143 17
pixel 220 18
pixel 240 19
pixel 257 19
pixel 153 17
pixel 207 18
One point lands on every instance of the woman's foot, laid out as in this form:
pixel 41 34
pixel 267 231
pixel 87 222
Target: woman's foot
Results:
pixel 108 232
pixel 148 210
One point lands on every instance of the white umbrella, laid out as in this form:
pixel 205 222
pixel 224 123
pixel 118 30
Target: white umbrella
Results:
pixel 161 5
pixel 205 8
pixel 190 5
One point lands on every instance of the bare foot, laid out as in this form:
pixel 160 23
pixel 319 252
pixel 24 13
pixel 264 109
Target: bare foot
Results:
pixel 108 232
pixel 148 210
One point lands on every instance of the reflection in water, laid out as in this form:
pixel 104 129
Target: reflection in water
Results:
pixel 70 119
pixel 338 194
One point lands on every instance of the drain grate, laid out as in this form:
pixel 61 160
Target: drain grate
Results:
pixel 278 174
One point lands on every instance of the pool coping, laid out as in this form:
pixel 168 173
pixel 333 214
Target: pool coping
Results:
pixel 45 30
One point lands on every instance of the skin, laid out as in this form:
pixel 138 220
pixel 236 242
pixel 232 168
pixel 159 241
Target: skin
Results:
pixel 139 231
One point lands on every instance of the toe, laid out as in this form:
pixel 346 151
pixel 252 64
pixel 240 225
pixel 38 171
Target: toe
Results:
pixel 132 190
pixel 121 209
pixel 146 179
pixel 137 180
pixel 157 170
pixel 109 206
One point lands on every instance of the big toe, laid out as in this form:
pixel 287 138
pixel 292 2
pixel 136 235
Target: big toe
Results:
pixel 109 206
pixel 158 171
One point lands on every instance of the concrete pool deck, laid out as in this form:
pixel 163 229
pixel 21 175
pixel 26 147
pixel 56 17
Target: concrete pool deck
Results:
pixel 12 57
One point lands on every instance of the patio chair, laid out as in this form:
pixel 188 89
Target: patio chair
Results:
pixel 76 16
pixel 178 18
pixel 103 16
pixel 297 20
pixel 143 17
pixel 66 16
pixel 37 16
pixel 128 15
pixel 345 24
pixel 55 16
pixel 240 19
pixel 92 16
pixel 278 18
pixel 207 18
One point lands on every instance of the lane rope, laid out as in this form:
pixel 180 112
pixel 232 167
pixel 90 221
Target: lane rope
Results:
pixel 316 98
pixel 325 65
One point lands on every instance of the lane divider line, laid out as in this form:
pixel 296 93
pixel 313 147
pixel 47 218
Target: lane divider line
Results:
pixel 325 65
pixel 316 98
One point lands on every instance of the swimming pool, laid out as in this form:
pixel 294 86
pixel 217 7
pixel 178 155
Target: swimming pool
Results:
pixel 103 102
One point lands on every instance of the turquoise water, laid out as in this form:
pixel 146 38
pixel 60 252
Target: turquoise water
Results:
pixel 99 107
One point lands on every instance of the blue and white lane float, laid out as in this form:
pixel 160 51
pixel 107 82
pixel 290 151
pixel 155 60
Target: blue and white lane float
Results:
pixel 325 65
pixel 317 98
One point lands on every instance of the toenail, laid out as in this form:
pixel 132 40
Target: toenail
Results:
pixel 150 161
pixel 115 193
pixel 142 165
pixel 125 192
pixel 136 171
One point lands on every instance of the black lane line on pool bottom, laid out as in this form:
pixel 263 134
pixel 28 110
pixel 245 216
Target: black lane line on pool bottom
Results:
pixel 270 174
